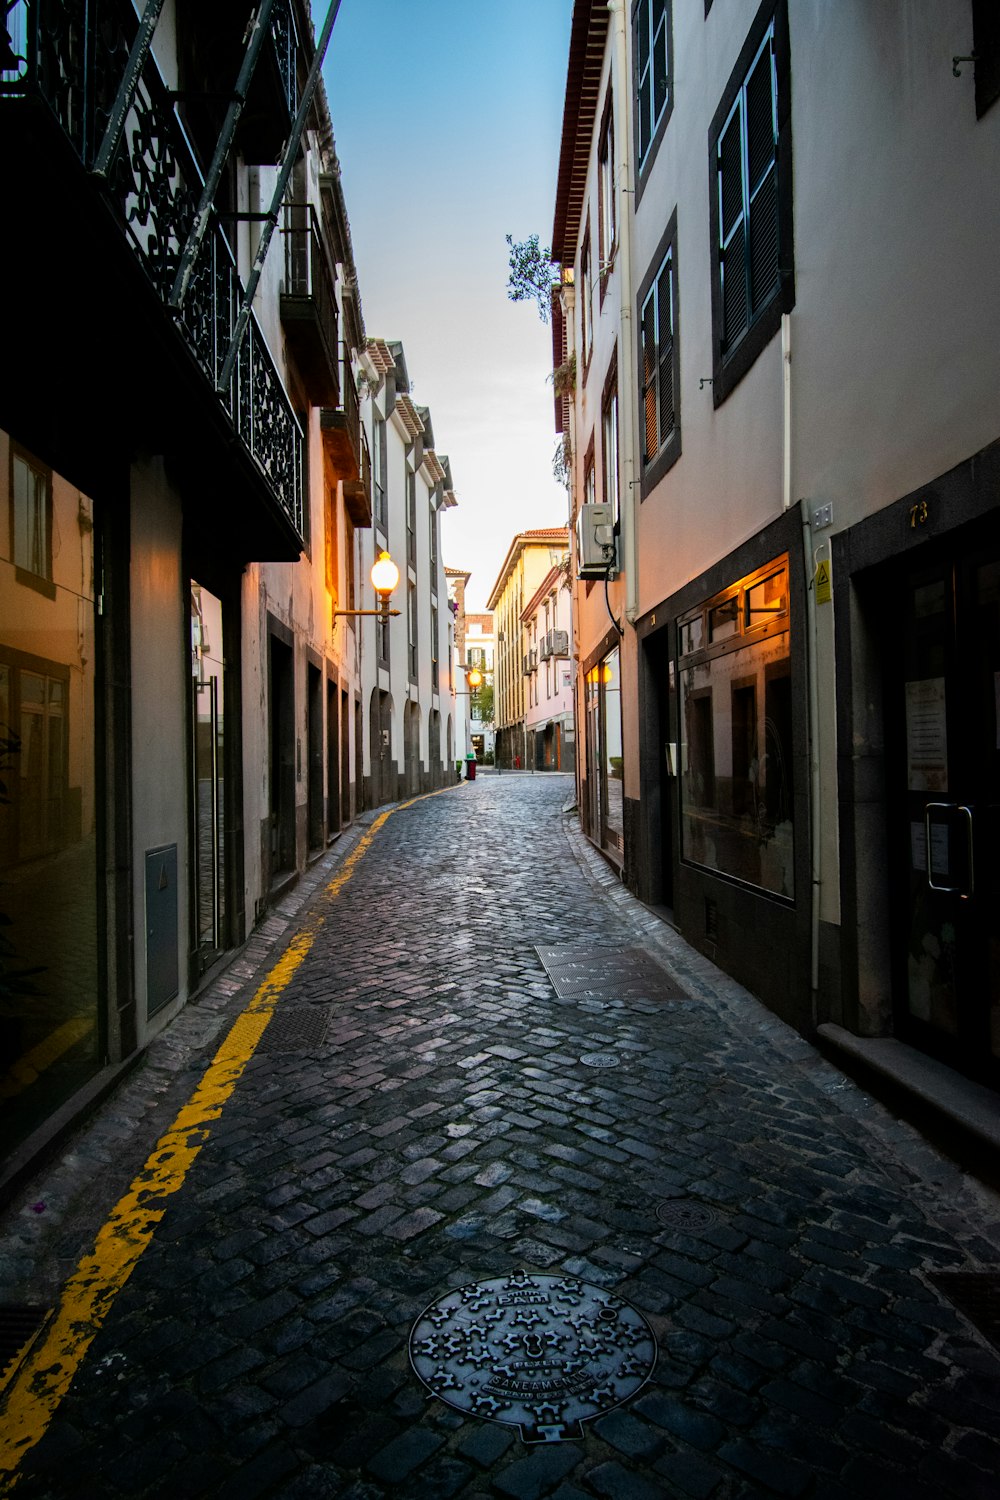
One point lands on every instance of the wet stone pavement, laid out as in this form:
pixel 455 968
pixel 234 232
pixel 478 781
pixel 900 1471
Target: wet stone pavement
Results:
pixel 433 1248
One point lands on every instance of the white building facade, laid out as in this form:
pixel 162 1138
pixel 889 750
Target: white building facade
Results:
pixel 774 228
pixel 548 636
pixel 410 731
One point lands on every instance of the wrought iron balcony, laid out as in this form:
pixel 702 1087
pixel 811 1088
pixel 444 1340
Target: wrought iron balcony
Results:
pixel 73 55
pixel 346 447
pixel 309 305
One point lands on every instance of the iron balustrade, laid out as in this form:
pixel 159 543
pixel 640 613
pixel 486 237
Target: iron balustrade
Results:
pixel 308 269
pixel 74 53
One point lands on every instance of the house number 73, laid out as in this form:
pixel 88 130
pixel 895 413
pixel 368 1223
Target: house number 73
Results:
pixel 919 514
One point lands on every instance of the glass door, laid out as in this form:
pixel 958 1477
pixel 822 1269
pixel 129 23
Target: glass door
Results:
pixel 208 728
pixel 946 769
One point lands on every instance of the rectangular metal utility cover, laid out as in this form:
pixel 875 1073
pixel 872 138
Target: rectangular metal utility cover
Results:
pixel 162 980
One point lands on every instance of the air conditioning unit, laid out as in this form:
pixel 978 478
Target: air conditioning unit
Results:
pixel 560 642
pixel 596 545
pixel 544 649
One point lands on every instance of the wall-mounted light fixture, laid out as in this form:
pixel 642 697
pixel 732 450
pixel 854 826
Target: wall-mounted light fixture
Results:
pixel 384 576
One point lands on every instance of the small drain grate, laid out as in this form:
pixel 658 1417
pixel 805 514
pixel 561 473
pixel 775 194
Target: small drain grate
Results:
pixel 687 1214
pixel 18 1327
pixel 299 1027
pixel 976 1294
pixel 601 1059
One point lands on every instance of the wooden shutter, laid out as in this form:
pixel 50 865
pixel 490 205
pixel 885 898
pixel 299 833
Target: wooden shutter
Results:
pixel 732 232
pixel 762 185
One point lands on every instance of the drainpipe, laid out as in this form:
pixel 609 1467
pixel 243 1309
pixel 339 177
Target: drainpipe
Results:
pixel 786 411
pixel 626 350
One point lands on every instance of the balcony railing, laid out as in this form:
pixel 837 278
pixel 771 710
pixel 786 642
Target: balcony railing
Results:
pixel 309 303
pixel 73 53
pixel 346 446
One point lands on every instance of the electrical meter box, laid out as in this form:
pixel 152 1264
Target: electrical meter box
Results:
pixel 596 544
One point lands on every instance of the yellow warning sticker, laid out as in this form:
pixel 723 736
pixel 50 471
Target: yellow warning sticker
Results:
pixel 824 587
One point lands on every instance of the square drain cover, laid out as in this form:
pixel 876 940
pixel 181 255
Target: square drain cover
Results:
pixel 977 1295
pixel 300 1027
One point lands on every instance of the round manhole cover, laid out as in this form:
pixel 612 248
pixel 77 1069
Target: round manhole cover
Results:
pixel 686 1213
pixel 543 1353
pixel 601 1059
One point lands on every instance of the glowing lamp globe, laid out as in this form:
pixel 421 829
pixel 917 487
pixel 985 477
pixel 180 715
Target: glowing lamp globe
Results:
pixel 385 575
pixel 475 678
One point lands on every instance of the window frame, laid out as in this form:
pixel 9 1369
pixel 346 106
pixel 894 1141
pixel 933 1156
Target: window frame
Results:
pixel 607 222
pixel 413 633
pixel 644 158
pixel 654 466
pixel 611 414
pixel 43 583
pixel 730 365
pixel 586 300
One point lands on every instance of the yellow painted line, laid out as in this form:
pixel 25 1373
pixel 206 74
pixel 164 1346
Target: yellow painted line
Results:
pixel 87 1298
pixel 26 1070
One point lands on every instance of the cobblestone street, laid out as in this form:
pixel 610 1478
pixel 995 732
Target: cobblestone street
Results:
pixel 426 1110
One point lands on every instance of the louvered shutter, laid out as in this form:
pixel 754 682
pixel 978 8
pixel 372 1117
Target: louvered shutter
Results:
pixel 649 378
pixel 665 309
pixel 732 232
pixel 762 185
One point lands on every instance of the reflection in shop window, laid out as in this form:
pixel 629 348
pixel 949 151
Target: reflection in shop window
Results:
pixel 32 517
pixel 49 1010
pixel 736 784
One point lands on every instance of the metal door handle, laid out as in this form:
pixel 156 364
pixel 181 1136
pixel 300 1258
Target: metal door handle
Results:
pixel 972 866
pixel 936 807
pixel 948 890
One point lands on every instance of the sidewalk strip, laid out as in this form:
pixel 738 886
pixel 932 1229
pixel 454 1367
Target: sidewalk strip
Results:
pixel 47 1373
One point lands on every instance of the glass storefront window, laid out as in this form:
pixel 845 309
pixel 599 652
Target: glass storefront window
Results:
pixel 612 777
pixel 49 1003
pixel 736 713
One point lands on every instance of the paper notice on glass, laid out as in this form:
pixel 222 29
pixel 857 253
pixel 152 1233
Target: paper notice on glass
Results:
pixel 939 849
pixel 926 736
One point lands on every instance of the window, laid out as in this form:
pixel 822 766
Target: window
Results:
pixel 659 362
pixel 31 517
pixel 750 144
pixel 986 46
pixel 609 433
pixel 380 482
pixel 586 301
pixel 434 648
pixel 657 391
pixel 604 756
pixel 653 82
pixel 434 546
pixel 737 809
pixel 608 225
pixel 411 518
pixel 411 622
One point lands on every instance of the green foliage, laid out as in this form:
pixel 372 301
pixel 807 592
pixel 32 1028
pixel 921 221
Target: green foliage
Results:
pixel 562 461
pixel 482 704
pixel 564 378
pixel 532 274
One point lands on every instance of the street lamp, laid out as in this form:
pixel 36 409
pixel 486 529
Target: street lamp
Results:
pixel 384 576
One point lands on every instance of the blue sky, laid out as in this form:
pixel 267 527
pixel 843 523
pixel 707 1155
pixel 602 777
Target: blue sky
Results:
pixel 447 116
